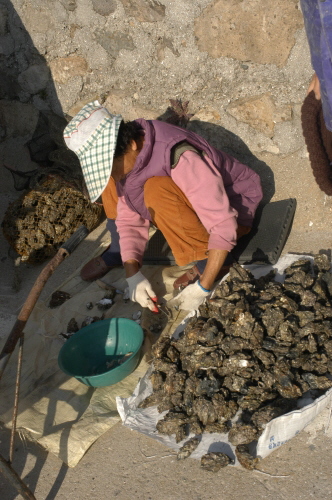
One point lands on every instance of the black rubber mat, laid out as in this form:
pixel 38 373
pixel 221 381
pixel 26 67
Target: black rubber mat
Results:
pixel 269 234
pixel 265 242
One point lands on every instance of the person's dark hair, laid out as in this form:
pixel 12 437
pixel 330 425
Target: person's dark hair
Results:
pixel 128 131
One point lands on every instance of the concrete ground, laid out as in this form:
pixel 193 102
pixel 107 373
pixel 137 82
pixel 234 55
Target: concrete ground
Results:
pixel 123 464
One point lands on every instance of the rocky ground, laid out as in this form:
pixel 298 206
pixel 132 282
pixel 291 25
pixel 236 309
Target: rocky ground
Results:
pixel 244 68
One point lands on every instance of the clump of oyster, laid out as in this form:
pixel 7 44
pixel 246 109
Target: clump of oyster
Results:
pixel 42 219
pixel 252 351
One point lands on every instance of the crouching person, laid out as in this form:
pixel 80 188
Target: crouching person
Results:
pixel 148 171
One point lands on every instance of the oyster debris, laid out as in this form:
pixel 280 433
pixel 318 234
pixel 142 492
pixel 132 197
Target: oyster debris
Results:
pixel 72 326
pixel 58 298
pixel 116 362
pixel 90 319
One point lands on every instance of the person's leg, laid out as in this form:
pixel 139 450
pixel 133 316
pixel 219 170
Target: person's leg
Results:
pixel 173 214
pixel 99 266
pixel 194 273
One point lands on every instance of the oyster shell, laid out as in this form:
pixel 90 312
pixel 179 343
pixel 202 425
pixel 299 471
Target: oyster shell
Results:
pixel 90 319
pixel 160 348
pixel 195 426
pixel 316 381
pixel 205 410
pixel 189 446
pixel 174 382
pixel 213 462
pixel 58 298
pixel 173 423
pixel 245 458
pixel 104 303
pixel 165 404
pixel 242 434
pixel 321 262
pixel 157 380
pixel 153 399
pixel 72 326
pixel 265 414
pixel 217 427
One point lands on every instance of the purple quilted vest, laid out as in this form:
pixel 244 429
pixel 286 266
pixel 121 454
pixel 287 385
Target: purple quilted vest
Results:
pixel 155 160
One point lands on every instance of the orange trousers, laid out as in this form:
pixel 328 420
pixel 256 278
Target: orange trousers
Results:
pixel 173 214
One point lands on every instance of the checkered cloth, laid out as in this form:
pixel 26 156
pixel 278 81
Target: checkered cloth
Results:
pixel 92 135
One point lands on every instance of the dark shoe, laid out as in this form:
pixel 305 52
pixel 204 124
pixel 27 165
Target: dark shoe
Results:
pixel 193 275
pixel 95 269
pixel 187 278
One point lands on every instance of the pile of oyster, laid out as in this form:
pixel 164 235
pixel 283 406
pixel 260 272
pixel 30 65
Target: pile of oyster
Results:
pixel 252 351
pixel 42 219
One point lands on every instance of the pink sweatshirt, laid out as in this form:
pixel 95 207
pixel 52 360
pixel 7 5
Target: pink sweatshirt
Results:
pixel 204 188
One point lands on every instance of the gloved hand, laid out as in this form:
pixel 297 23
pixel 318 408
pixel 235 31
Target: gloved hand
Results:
pixel 140 290
pixel 190 298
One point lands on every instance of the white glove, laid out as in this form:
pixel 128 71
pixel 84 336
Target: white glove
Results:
pixel 190 298
pixel 140 290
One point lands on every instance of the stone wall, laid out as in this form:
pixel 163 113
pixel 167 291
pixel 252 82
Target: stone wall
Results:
pixel 244 67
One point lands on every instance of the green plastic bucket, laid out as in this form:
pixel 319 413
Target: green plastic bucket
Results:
pixel 102 353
